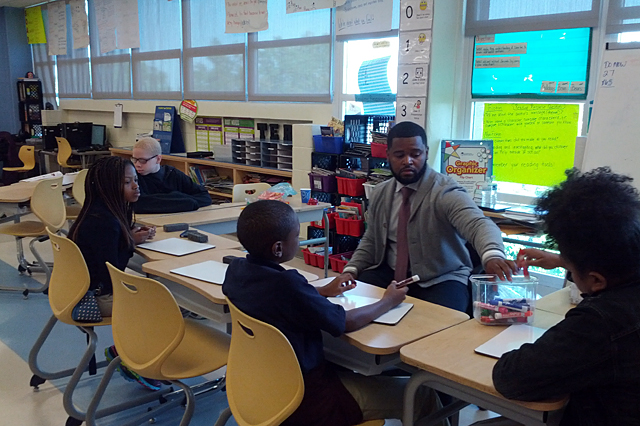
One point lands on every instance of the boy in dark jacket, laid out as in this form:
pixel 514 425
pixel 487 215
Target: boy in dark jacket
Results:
pixel 164 189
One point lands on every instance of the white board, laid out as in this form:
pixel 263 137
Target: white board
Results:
pixel 510 339
pixel 209 271
pixel 176 246
pixel 615 125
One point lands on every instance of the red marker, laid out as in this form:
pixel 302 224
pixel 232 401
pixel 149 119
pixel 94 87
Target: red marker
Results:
pixel 525 268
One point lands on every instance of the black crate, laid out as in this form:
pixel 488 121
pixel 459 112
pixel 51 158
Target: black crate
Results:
pixel 313 233
pixel 355 162
pixel 326 197
pixel 378 163
pixel 358 128
pixel 344 243
pixel 324 161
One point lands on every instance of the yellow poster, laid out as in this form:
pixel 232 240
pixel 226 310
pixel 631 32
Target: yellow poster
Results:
pixel 533 143
pixel 35 26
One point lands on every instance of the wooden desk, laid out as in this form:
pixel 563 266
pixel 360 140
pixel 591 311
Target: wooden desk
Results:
pixel 221 243
pixel 224 220
pixel 558 302
pixel 84 156
pixel 19 192
pixel 448 363
pixel 201 297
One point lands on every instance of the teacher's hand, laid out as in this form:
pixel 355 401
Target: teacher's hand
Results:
pixel 503 268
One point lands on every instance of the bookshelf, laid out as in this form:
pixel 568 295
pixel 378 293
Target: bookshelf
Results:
pixel 30 105
pixel 235 172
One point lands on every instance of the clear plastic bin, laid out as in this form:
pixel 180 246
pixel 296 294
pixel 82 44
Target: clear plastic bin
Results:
pixel 498 302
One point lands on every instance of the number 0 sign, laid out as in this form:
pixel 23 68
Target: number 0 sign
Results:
pixel 416 15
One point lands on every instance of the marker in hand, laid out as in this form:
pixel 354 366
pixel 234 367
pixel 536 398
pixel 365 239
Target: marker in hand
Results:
pixel 406 282
pixel 525 267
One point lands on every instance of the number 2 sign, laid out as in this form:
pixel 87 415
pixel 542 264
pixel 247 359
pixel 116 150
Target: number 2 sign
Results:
pixel 412 80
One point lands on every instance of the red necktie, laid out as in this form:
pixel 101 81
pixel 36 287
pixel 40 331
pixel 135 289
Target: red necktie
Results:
pixel 402 247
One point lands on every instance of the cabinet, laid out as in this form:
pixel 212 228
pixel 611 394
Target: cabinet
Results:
pixel 263 153
pixel 31 106
pixel 234 171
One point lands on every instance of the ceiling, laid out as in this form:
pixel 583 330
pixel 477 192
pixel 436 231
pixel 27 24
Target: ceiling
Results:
pixel 20 3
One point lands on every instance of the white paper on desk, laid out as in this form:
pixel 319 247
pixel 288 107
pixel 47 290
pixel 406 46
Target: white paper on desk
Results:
pixel 352 301
pixel 209 271
pixel 69 178
pixel 45 176
pixel 512 338
pixel 176 246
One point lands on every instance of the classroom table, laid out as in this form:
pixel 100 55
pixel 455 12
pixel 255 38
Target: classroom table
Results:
pixel 448 363
pixel 223 220
pixel 84 156
pixel 558 302
pixel 220 243
pixel 204 298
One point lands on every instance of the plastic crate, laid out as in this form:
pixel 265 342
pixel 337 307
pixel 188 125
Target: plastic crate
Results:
pixel 339 261
pixel 328 144
pixel 378 150
pixel 355 162
pixel 378 163
pixel 332 221
pixel 344 243
pixel 358 128
pixel 353 227
pixel 323 183
pixel 324 161
pixel 351 187
pixel 326 197
pixel 313 259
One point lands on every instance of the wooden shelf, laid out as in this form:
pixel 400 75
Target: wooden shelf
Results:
pixel 220 194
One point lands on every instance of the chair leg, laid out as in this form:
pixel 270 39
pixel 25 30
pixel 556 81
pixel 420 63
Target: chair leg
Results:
pixel 190 402
pixel 224 417
pixel 25 266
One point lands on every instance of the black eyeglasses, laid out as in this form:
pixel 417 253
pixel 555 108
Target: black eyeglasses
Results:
pixel 142 161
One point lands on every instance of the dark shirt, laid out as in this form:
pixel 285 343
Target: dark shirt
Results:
pixel 169 191
pixel 100 240
pixel 593 356
pixel 283 298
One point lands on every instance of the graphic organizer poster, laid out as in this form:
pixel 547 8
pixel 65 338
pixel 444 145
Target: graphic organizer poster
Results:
pixel 468 162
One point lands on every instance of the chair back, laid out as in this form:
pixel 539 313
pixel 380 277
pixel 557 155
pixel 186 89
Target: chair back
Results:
pixel 146 322
pixel 244 190
pixel 264 380
pixel 64 152
pixel 78 186
pixel 27 156
pixel 69 279
pixel 47 203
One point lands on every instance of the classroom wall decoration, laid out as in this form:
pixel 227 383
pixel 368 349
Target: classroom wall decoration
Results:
pixel 246 16
pixel 57 16
pixel 208 132
pixel 468 162
pixel 35 25
pixel 79 25
pixel 533 143
pixel 363 16
pixel 294 6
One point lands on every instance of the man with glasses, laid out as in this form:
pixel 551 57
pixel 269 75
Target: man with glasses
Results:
pixel 164 189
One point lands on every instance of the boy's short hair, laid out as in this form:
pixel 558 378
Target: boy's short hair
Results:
pixel 150 145
pixel 594 220
pixel 406 129
pixel 264 222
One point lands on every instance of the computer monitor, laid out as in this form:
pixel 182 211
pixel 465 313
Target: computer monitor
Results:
pixel 78 134
pixel 98 134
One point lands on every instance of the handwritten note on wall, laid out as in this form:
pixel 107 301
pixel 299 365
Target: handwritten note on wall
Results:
pixel 106 20
pixel 128 27
pixel 533 143
pixel 57 40
pixel 79 24
pixel 364 16
pixel 246 16
pixel 294 6
pixel 35 25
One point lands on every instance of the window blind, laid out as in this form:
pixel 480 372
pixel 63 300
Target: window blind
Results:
pixel 507 16
pixel 623 16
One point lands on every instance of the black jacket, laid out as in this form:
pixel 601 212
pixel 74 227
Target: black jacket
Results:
pixel 593 355
pixel 169 191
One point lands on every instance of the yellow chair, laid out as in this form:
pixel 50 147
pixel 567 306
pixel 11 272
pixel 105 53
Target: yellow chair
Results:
pixel 48 206
pixel 77 190
pixel 244 190
pixel 27 156
pixel 69 282
pixel 154 340
pixel 64 153
pixel 262 367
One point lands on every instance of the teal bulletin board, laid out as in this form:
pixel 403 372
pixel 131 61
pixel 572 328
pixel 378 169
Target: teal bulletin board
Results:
pixel 552 64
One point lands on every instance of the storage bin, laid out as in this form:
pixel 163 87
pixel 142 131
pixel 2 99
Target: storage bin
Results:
pixel 353 227
pixel 323 183
pixel 313 259
pixel 498 302
pixel 351 187
pixel 326 197
pixel 378 150
pixel 332 221
pixel 339 261
pixel 328 144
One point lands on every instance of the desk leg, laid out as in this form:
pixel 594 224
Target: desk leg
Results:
pixel 83 161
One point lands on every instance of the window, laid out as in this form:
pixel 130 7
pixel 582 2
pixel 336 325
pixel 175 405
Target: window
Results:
pixel 291 61
pixel 214 62
pixel 623 16
pixel 370 76
pixel 157 64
